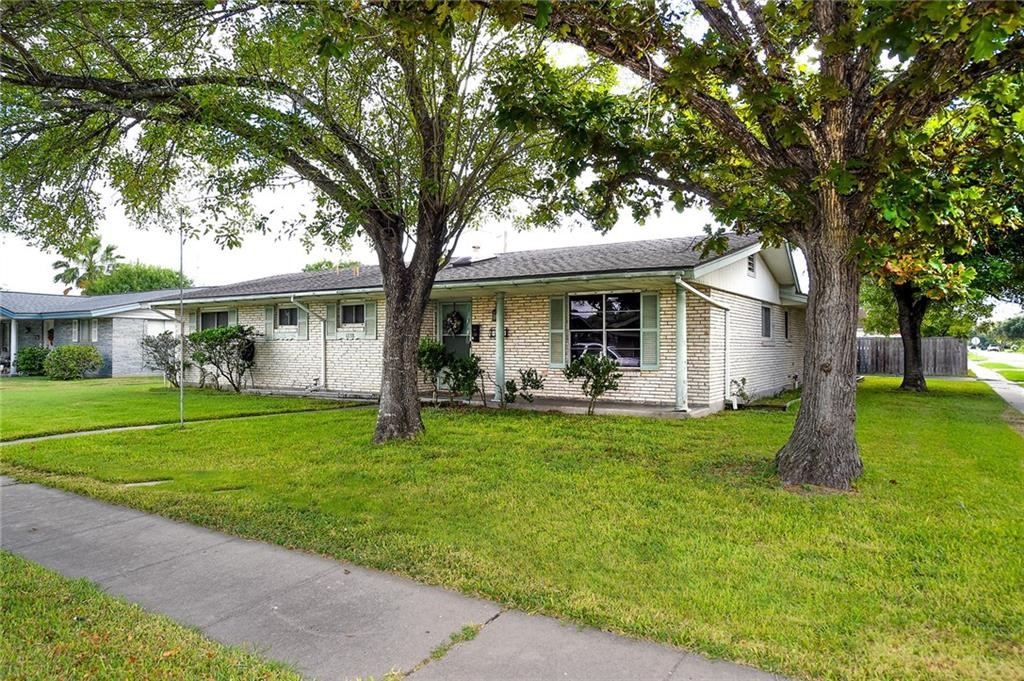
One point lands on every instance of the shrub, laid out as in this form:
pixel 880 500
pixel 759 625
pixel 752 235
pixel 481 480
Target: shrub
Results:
pixel 230 350
pixel 29 361
pixel 529 380
pixel 600 375
pixel 432 359
pixel 464 374
pixel 160 352
pixel 70 362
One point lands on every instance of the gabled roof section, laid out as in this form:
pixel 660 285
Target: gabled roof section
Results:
pixel 654 255
pixel 21 305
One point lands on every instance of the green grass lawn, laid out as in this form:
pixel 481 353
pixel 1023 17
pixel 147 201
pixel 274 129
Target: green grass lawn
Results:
pixel 37 406
pixel 670 529
pixel 52 627
pixel 1010 372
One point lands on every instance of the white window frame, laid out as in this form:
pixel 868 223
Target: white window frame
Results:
pixel 604 323
pixel 94 330
pixel 277 318
pixel 768 309
pixel 211 310
pixel 75 331
pixel 351 326
pixel 752 265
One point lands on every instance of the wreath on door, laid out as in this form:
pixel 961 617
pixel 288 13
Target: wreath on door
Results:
pixel 453 323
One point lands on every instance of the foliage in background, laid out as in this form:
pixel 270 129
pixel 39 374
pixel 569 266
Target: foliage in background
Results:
pixel 328 265
pixel 943 318
pixel 71 362
pixel 1010 329
pixel 135 277
pixel 162 353
pixel 84 263
pixel 432 359
pixel 600 375
pixel 230 350
pixel 29 360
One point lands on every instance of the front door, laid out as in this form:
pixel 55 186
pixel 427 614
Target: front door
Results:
pixel 455 322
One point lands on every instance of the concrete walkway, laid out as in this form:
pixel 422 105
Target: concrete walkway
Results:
pixel 1008 390
pixel 331 620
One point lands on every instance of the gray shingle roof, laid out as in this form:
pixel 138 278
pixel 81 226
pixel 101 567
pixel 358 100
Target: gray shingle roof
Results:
pixel 631 256
pixel 18 302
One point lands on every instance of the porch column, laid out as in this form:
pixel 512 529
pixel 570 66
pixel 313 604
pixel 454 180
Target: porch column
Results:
pixel 682 397
pixel 13 328
pixel 499 345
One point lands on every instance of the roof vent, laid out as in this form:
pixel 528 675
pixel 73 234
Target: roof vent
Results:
pixel 462 261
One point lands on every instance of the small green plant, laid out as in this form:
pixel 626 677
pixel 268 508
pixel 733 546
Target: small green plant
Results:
pixel 70 362
pixel 230 350
pixel 160 352
pixel 600 375
pixel 464 375
pixel 432 359
pixel 29 361
pixel 739 390
pixel 529 380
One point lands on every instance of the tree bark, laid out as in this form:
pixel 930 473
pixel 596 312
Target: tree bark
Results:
pixel 822 449
pixel 398 416
pixel 911 307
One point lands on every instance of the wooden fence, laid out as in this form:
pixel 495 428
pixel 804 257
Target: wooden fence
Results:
pixel 943 356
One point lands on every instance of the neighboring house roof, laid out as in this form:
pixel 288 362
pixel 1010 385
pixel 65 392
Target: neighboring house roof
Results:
pixel 19 305
pixel 654 255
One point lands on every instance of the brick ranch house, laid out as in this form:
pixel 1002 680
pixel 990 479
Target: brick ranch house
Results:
pixel 737 315
pixel 113 324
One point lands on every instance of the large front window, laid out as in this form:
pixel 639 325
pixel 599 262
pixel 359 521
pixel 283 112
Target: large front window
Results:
pixel 213 320
pixel 606 324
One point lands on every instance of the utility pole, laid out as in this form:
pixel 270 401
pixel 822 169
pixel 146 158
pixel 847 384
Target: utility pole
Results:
pixel 181 319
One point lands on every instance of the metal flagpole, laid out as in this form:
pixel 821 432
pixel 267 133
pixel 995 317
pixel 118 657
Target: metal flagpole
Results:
pixel 181 319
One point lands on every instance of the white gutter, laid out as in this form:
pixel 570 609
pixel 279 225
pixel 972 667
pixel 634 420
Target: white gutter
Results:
pixel 680 282
pixel 323 341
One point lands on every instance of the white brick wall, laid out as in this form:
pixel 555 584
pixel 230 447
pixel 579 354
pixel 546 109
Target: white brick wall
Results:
pixel 354 365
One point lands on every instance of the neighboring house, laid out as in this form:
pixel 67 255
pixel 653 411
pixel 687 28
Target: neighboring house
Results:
pixel 113 324
pixel 681 326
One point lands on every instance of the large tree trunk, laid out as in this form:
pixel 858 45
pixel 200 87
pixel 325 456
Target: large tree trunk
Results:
pixel 822 449
pixel 911 306
pixel 406 293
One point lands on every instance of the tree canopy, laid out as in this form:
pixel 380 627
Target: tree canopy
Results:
pixel 134 277
pixel 85 263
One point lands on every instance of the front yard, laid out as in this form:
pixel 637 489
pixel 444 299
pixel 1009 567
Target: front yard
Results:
pixel 32 406
pixel 52 627
pixel 673 530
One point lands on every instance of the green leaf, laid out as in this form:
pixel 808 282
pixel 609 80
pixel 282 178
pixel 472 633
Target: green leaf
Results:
pixel 544 9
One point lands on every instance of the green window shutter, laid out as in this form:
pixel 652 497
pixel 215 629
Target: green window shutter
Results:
pixel 193 322
pixel 332 320
pixel 370 319
pixel 268 317
pixel 303 319
pixel 233 316
pixel 556 332
pixel 649 331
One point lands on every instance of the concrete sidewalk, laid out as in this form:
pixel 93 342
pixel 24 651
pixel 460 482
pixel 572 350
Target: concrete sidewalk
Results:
pixel 331 620
pixel 1008 390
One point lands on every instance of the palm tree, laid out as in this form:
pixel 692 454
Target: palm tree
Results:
pixel 87 262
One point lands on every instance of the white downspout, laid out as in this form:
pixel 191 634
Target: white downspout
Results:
pixel 682 387
pixel 13 326
pixel 725 308
pixel 323 341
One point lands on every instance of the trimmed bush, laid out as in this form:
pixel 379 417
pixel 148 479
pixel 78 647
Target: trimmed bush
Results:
pixel 29 361
pixel 600 375
pixel 70 362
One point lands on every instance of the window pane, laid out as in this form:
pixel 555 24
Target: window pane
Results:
pixel 287 316
pixel 208 320
pixel 766 322
pixel 585 312
pixel 624 347
pixel 222 318
pixel 352 314
pixel 622 311
pixel 585 343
